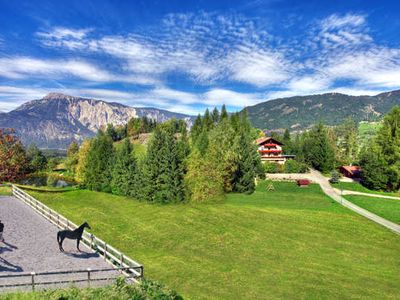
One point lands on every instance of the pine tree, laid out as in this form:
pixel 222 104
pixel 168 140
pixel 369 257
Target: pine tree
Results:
pixel 215 116
pixel 224 113
pixel 197 128
pixel 374 168
pixel 386 152
pixel 202 143
pixel 125 172
pixel 37 160
pixel 164 166
pixel 287 143
pixel 207 121
pixel 318 152
pixel 245 174
pixel 99 164
pixel 112 132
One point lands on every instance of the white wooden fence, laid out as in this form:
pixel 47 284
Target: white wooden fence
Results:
pixel 130 268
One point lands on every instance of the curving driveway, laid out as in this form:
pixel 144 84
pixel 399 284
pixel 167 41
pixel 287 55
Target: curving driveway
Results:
pixel 318 178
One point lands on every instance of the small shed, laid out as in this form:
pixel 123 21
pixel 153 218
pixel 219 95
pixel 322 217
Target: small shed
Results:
pixel 303 182
pixel 350 171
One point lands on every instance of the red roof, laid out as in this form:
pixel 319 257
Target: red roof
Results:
pixel 263 140
pixel 351 169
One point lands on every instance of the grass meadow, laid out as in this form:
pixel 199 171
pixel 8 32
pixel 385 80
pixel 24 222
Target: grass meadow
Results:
pixel 386 208
pixel 291 243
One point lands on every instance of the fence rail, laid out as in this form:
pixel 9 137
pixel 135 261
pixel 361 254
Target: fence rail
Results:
pixel 127 266
pixel 39 279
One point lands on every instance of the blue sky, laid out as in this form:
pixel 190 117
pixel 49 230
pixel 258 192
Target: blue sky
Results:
pixel 185 56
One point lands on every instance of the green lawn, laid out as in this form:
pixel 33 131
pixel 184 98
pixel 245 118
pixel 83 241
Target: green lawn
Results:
pixel 292 243
pixel 386 208
pixel 5 191
pixel 354 186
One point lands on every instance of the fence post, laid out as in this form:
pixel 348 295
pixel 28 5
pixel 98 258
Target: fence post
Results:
pixel 141 272
pixel 88 276
pixel 67 224
pixel 105 251
pixel 33 280
pixel 91 240
pixel 122 261
pixel 58 220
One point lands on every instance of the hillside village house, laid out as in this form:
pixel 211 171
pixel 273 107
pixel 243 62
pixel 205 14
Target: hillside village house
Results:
pixel 271 150
pixel 351 171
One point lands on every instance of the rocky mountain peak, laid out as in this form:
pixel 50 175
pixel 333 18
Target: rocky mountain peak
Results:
pixel 57 96
pixel 57 119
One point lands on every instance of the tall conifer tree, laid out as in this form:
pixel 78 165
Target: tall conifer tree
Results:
pixel 125 172
pixel 99 164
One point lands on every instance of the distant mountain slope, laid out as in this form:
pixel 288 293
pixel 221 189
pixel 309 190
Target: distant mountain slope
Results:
pixel 57 119
pixel 301 112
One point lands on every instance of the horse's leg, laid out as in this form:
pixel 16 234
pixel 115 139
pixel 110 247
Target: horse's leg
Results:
pixel 77 244
pixel 61 242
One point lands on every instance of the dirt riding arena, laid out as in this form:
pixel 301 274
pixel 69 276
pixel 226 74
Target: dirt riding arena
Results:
pixel 31 246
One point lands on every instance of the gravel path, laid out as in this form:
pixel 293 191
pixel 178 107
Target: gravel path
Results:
pixel 31 246
pixel 347 192
pixel 316 177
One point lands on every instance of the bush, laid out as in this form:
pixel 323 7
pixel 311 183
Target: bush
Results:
pixel 294 166
pixel 272 168
pixel 52 180
pixel 335 178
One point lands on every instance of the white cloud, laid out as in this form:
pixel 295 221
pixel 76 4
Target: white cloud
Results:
pixel 27 67
pixel 336 21
pixel 206 47
pixel 374 68
pixel 64 37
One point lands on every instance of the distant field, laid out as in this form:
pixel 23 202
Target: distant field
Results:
pixel 386 208
pixel 139 149
pixel 366 130
pixel 292 243
pixel 354 186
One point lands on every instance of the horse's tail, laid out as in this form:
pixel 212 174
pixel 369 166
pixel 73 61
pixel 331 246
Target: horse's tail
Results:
pixel 58 237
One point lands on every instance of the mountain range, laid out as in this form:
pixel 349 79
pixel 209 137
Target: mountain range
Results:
pixel 57 119
pixel 301 112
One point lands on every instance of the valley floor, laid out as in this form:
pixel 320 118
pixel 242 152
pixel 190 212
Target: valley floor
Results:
pixel 289 243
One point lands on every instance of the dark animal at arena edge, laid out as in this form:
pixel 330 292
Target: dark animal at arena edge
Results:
pixel 71 234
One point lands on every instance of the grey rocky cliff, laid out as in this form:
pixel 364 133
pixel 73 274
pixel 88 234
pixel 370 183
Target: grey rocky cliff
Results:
pixel 57 119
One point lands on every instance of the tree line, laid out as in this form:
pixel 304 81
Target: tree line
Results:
pixel 327 148
pixel 217 156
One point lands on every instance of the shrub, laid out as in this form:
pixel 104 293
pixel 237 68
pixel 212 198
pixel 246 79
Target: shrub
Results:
pixel 52 180
pixel 335 178
pixel 294 166
pixel 272 168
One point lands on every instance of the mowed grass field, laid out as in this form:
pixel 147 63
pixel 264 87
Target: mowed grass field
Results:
pixel 386 208
pixel 291 243
pixel 357 187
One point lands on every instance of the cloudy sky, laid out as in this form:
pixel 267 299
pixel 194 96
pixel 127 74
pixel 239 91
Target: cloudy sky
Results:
pixel 187 55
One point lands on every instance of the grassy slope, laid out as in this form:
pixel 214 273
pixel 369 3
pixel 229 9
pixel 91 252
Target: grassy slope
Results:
pixel 290 243
pixel 354 186
pixel 5 191
pixel 386 208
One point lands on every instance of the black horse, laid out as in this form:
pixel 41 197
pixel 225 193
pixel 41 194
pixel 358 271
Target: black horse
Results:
pixel 71 234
